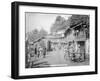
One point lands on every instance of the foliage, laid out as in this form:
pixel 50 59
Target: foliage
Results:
pixel 31 36
pixel 42 33
pixel 59 24
pixel 75 19
pixel 35 35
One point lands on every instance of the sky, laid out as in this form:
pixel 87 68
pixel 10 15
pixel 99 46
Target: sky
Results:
pixel 41 21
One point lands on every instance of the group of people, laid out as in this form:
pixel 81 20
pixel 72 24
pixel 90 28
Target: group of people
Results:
pixel 72 50
pixel 35 52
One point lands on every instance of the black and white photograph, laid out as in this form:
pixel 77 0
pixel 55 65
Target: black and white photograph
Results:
pixel 53 40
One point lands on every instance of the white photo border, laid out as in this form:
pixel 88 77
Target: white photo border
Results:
pixel 52 70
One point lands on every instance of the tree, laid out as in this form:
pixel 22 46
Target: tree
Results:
pixel 60 23
pixel 33 35
pixel 75 19
pixel 42 33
